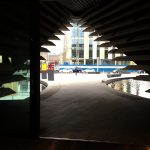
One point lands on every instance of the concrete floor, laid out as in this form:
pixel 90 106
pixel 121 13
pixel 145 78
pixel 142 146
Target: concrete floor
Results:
pixel 82 107
pixel 54 144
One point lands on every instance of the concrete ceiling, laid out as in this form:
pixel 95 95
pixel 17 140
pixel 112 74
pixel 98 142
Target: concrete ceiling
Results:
pixel 124 23
pixel 79 6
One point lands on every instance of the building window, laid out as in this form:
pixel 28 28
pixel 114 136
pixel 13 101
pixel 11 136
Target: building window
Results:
pixel 81 45
pixel 90 49
pixel 81 54
pixel 90 46
pixel 89 61
pixel 90 53
pixel 98 51
pixel 73 53
pixel 90 41
pixel 81 62
pixel 73 45
pixel 94 61
pixel 113 55
pixel 106 52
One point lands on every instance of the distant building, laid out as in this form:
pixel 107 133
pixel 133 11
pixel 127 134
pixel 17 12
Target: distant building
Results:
pixel 80 48
pixel 51 58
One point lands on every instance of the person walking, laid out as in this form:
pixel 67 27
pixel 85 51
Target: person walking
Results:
pixel 76 71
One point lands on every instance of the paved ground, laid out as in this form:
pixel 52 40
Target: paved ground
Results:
pixel 54 144
pixel 81 107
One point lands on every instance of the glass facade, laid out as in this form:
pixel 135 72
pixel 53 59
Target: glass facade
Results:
pixel 90 48
pixel 106 52
pixel 98 51
pixel 77 43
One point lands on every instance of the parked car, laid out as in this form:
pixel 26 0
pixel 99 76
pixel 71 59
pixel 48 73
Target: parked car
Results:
pixel 110 75
pixel 120 71
pixel 77 69
pixel 88 70
pixel 66 70
pixel 140 71
pixel 115 73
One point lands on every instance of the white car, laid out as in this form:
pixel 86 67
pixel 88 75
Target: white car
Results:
pixel 88 70
pixel 66 70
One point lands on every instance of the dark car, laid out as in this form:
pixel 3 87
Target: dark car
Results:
pixel 77 69
pixel 121 71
